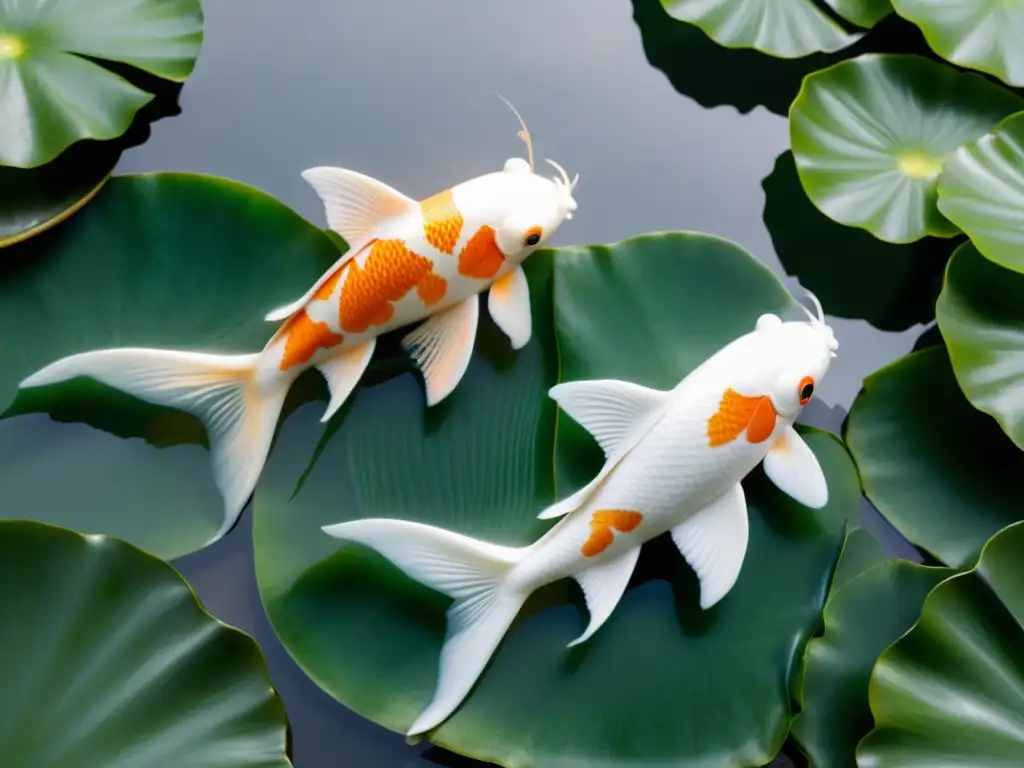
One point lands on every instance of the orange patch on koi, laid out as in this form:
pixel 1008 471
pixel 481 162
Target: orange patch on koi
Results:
pixel 736 413
pixel 442 222
pixel 603 522
pixel 390 272
pixel 324 291
pixel 481 258
pixel 304 337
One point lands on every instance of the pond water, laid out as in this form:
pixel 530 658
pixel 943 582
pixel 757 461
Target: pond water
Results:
pixel 403 91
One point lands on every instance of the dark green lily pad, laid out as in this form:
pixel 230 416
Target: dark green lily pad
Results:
pixel 943 473
pixel 165 260
pixel 481 464
pixel 856 275
pixel 870 137
pixel 53 94
pixel 862 617
pixel 863 13
pixel 788 29
pixel 860 552
pixel 981 315
pixel 949 691
pixel 981 190
pixel 109 661
pixel 976 34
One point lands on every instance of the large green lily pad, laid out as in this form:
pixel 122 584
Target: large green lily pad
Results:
pixel 862 617
pixel 481 464
pixel 976 34
pixel 981 315
pixel 109 661
pixel 166 260
pixel 949 691
pixel 891 285
pixel 788 29
pixel 870 136
pixel 943 473
pixel 51 95
pixel 981 190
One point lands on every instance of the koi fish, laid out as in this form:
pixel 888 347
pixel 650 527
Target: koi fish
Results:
pixel 407 261
pixel 673 462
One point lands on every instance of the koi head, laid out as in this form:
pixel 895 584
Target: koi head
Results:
pixel 790 359
pixel 530 207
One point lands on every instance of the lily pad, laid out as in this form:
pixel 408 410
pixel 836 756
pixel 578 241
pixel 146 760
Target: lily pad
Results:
pixel 110 661
pixel 891 285
pixel 788 29
pixel 976 34
pixel 862 617
pixel 53 93
pixel 949 691
pixel 860 552
pixel 943 473
pixel 981 190
pixel 166 260
pixel 871 135
pixel 481 464
pixel 863 13
pixel 34 199
pixel 981 317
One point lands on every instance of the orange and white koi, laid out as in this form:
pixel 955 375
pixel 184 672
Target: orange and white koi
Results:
pixel 673 463
pixel 407 261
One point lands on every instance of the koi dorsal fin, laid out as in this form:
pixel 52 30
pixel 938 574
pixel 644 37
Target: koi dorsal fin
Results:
pixel 355 204
pixel 617 413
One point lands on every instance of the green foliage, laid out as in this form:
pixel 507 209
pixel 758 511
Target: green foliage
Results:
pixel 110 661
pixel 481 464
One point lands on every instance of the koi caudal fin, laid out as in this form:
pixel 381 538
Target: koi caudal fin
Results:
pixel 470 571
pixel 220 390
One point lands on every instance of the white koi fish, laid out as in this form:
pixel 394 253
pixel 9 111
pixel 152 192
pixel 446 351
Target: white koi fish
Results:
pixel 407 260
pixel 674 462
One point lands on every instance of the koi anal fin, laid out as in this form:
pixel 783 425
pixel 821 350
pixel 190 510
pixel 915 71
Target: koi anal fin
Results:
pixel 714 542
pixel 793 467
pixel 603 586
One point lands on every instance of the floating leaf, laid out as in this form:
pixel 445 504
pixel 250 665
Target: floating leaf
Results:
pixel 481 464
pixel 892 286
pixel 863 13
pixel 860 552
pixel 977 34
pixel 110 662
pixel 981 316
pixel 788 29
pixel 52 95
pixel 166 260
pixel 981 190
pixel 870 137
pixel 939 470
pixel 862 617
pixel 949 691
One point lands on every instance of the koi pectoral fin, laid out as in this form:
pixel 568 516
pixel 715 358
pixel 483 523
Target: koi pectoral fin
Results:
pixel 603 586
pixel 714 542
pixel 794 468
pixel 442 347
pixel 343 372
pixel 509 304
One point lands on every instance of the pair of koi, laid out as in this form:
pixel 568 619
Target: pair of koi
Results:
pixel 674 460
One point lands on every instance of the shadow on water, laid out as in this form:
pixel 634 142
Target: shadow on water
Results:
pixel 713 75
pixel 852 272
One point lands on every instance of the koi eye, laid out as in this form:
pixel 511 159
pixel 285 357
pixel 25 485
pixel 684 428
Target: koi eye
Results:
pixel 806 390
pixel 532 237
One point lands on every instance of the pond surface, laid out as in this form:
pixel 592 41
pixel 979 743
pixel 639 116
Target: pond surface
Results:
pixel 403 91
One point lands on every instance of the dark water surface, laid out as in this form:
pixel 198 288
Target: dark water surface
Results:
pixel 402 90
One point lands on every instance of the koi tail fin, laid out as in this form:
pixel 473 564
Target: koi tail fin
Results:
pixel 470 571
pixel 220 390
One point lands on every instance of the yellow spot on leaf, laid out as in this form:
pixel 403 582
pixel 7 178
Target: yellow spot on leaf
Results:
pixel 918 166
pixel 11 47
